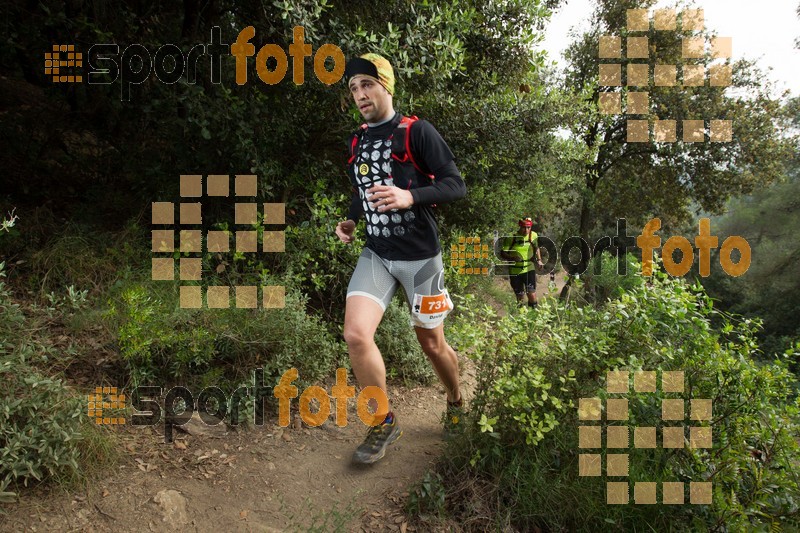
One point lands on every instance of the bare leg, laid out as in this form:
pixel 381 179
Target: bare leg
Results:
pixel 362 316
pixel 443 358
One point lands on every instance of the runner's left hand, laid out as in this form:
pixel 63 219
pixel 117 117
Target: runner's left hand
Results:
pixel 388 197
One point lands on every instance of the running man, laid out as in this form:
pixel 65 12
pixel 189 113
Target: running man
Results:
pixel 520 249
pixel 399 168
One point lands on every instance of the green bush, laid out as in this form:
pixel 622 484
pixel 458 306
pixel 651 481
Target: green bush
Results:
pixel 160 341
pixel 153 335
pixel 523 430
pixel 428 497
pixel 13 319
pixel 316 261
pixel 462 284
pixel 44 430
pixel 53 255
pixel 605 280
pixel 40 425
pixel 467 331
pixel 401 352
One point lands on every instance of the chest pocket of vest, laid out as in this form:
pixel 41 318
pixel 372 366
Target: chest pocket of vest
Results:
pixel 403 172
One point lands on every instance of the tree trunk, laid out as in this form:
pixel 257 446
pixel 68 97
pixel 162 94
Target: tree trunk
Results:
pixel 587 201
pixel 586 218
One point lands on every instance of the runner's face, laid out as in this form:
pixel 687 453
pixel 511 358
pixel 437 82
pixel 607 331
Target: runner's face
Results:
pixel 373 100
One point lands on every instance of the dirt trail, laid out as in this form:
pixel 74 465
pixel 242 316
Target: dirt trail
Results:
pixel 251 480
pixel 264 479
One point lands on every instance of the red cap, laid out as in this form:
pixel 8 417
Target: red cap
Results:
pixel 526 223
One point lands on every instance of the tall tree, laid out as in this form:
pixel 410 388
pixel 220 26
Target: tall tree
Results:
pixel 454 60
pixel 637 180
pixel 770 290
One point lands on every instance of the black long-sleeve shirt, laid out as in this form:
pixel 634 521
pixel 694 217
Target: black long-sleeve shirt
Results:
pixel 405 234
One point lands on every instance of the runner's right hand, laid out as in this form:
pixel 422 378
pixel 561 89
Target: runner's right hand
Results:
pixel 345 231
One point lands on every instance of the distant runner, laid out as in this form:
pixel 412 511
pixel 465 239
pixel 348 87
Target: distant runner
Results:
pixel 399 167
pixel 520 248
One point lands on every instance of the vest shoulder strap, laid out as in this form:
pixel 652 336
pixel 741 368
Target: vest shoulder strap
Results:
pixel 403 152
pixel 402 133
pixel 354 142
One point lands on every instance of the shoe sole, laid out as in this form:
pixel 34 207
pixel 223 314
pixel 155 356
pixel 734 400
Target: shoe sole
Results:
pixel 375 459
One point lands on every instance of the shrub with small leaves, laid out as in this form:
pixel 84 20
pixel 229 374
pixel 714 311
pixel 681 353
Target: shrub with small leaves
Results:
pixel 42 423
pixel 534 366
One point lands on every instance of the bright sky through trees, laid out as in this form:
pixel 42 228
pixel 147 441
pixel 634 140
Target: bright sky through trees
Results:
pixel 765 31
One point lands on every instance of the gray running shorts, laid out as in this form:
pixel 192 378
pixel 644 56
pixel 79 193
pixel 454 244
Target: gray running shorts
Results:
pixel 422 280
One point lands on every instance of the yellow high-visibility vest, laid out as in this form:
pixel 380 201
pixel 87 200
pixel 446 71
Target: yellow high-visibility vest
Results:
pixel 525 246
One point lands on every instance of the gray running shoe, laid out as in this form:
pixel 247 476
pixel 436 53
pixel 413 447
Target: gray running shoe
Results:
pixel 374 446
